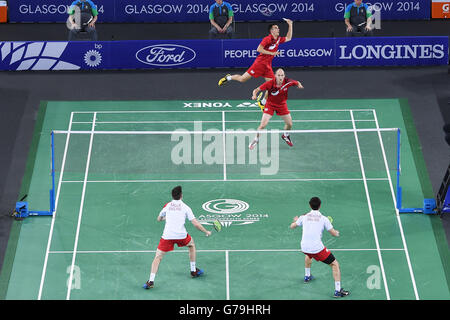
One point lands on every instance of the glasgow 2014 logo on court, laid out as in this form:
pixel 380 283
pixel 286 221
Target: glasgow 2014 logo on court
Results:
pixel 229 211
pixel 225 206
pixel 165 55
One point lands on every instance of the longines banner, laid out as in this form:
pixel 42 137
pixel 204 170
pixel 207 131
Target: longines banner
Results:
pixel 155 54
pixel 197 10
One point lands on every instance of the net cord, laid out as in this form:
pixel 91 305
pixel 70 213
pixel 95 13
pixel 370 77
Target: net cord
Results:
pixel 223 131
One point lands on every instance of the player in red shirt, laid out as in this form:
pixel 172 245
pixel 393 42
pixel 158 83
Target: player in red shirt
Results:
pixel 277 90
pixel 268 49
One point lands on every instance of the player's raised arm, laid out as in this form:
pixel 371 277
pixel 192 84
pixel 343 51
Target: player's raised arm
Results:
pixel 290 29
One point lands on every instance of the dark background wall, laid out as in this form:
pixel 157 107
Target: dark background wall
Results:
pixel 427 89
pixel 244 30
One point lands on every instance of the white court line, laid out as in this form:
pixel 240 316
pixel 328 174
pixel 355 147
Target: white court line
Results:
pixel 213 121
pixel 224 148
pixel 221 180
pixel 44 269
pixel 207 110
pixel 396 210
pixel 80 214
pixel 227 274
pixel 214 131
pixel 369 203
pixel 216 250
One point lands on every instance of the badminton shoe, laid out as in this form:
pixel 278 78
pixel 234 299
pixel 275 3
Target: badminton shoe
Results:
pixel 252 144
pixel 223 80
pixel 148 285
pixel 308 279
pixel 341 293
pixel 287 139
pixel 258 100
pixel 197 273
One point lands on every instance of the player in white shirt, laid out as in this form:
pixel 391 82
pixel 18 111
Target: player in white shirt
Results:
pixel 313 224
pixel 175 214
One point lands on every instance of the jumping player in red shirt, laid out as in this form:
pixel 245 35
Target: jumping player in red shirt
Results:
pixel 277 90
pixel 262 66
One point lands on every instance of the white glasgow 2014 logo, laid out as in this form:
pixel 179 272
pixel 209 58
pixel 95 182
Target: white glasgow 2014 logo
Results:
pixel 229 211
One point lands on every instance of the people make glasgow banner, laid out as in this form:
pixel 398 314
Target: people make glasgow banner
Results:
pixel 197 10
pixel 160 54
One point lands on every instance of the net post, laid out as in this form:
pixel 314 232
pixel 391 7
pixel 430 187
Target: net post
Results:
pixel 52 191
pixel 399 188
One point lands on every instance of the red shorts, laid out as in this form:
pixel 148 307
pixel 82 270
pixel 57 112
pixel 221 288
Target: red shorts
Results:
pixel 320 256
pixel 167 245
pixel 261 70
pixel 281 111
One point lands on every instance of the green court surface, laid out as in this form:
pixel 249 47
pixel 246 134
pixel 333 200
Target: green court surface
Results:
pixel 110 188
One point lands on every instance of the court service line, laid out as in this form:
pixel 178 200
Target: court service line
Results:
pixel 369 203
pixel 212 111
pixel 221 180
pixel 217 250
pixel 80 214
pixel 215 121
pixel 50 236
pixel 396 210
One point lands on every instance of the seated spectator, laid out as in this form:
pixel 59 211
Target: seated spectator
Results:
pixel 221 17
pixel 358 19
pixel 82 17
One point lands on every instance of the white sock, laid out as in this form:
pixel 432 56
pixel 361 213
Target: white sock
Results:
pixel 152 277
pixel 193 266
pixel 307 272
pixel 337 285
pixel 286 134
pixel 228 78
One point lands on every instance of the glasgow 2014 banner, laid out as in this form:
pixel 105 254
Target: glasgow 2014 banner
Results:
pixel 156 54
pixel 197 10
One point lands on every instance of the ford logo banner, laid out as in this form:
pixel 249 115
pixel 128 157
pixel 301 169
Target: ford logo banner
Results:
pixel 165 55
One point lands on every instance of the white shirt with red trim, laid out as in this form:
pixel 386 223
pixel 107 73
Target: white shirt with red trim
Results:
pixel 176 213
pixel 313 224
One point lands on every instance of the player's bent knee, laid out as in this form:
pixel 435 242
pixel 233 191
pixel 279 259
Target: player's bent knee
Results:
pixel 159 254
pixel 334 264
pixel 191 244
pixel 330 260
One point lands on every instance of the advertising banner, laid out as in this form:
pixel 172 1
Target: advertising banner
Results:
pixel 159 54
pixel 198 10
pixel 440 9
